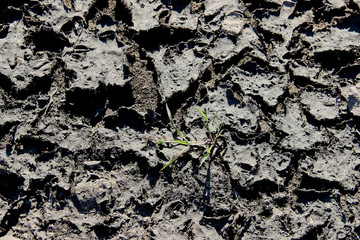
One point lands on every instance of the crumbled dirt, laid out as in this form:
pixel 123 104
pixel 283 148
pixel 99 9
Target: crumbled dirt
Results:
pixel 83 87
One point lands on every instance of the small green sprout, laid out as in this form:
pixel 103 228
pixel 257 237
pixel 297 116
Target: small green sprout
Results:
pixel 208 145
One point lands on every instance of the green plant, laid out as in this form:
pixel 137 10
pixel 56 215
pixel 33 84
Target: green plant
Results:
pixel 208 144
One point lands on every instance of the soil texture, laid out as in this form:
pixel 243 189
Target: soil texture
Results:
pixel 83 90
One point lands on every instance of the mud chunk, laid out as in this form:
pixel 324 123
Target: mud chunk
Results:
pixel 268 86
pixel 242 117
pixel 326 48
pixel 185 18
pixel 190 221
pixel 304 75
pixel 54 14
pixel 176 69
pixel 300 134
pixel 144 15
pixel 29 73
pixel 322 106
pixel 240 159
pixel 337 3
pixel 223 48
pixel 257 167
pixel 313 215
pixel 336 165
pixel 233 23
pixel 352 96
pixel 93 194
pixel 228 45
pixel 76 141
pixel 343 153
pixel 217 8
pixel 104 59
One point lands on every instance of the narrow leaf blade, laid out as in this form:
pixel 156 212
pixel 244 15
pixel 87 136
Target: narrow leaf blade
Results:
pixel 219 129
pixel 208 149
pixel 179 154
pixel 182 142
pixel 213 118
pixel 160 142
pixel 203 114
pixel 168 112
pixel 172 122
pixel 175 141
pixel 204 158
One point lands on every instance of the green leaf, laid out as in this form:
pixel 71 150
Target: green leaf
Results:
pixel 160 142
pixel 208 144
pixel 207 154
pixel 179 154
pixel 158 149
pixel 206 124
pixel 172 122
pixel 219 129
pixel 213 118
pixel 204 158
pixel 182 142
pixel 169 113
pixel 204 115
pixel 175 141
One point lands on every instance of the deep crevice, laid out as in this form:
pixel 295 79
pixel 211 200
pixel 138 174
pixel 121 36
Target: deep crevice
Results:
pixel 46 39
pixel 155 37
pixel 125 117
pixel 123 13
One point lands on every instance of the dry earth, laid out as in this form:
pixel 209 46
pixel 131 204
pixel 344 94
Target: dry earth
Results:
pixel 83 87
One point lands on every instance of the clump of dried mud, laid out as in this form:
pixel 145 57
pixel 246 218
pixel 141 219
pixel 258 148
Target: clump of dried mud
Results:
pixel 83 85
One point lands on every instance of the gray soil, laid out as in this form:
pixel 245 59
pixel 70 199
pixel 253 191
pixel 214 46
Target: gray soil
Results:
pixel 83 87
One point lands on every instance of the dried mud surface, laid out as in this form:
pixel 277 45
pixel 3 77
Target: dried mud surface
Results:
pixel 83 87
